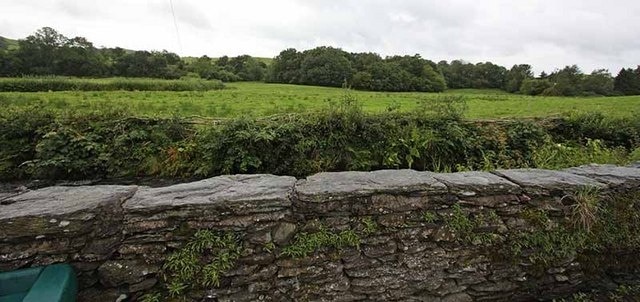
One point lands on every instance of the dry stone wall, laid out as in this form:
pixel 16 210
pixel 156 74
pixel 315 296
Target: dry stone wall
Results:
pixel 421 236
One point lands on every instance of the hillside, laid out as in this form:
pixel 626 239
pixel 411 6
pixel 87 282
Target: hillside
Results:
pixel 6 43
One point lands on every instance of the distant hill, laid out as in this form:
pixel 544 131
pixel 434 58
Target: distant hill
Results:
pixel 6 43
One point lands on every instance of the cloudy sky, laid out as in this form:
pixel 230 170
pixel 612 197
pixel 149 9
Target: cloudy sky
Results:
pixel 545 33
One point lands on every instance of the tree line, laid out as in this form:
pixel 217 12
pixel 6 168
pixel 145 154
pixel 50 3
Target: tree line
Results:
pixel 48 52
pixel 328 66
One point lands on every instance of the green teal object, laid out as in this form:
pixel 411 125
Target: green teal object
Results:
pixel 54 283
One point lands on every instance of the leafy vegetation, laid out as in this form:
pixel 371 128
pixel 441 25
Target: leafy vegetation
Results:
pixel 44 144
pixel 200 263
pixel 467 228
pixel 369 226
pixel 306 243
pixel 558 156
pixel 35 84
pixel 598 223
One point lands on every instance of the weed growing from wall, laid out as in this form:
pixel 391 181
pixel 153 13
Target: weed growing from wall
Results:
pixel 200 263
pixel 306 243
pixel 369 226
pixel 598 223
pixel 466 227
pixel 429 217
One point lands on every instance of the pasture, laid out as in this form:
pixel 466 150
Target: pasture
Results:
pixel 261 99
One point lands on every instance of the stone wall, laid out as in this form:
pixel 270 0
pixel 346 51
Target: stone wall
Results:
pixel 410 248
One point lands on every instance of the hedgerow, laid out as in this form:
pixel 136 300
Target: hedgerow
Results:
pixel 37 144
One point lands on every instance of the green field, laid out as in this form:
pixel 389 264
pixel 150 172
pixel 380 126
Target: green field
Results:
pixel 260 99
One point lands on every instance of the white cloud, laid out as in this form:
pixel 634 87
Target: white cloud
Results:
pixel 545 33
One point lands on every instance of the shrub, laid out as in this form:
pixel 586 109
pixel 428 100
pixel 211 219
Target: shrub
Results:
pixel 535 86
pixel 623 131
pixel 37 144
pixel 34 84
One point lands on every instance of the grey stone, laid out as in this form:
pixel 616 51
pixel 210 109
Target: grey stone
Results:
pixel 146 284
pixel 102 247
pixel 500 286
pixel 325 186
pixel 237 193
pixel 375 251
pixel 475 183
pixel 118 272
pixel 283 233
pixel 494 201
pixel 546 182
pixel 458 297
pixel 609 174
pixel 385 203
pixel 59 201
pixel 94 294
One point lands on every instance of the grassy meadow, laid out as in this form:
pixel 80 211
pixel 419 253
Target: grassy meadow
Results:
pixel 260 99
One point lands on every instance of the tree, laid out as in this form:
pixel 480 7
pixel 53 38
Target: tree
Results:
pixel 627 82
pixel 389 76
pixel 458 74
pixel 567 81
pixel 78 57
pixel 599 82
pixel 363 61
pixel 38 51
pixel 362 80
pixel 423 73
pixel 10 65
pixel 488 75
pixel 432 79
pixel 325 66
pixel 535 86
pixel 516 75
pixel 285 67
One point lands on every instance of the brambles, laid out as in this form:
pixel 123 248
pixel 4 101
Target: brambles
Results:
pixel 42 144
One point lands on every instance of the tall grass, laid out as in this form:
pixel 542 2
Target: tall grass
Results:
pixel 36 84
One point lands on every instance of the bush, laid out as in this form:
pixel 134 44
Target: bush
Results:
pixel 81 146
pixel 36 144
pixel 34 84
pixel 535 86
pixel 559 156
pixel 611 131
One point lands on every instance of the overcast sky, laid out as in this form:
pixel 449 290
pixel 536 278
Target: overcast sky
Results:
pixel 548 34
